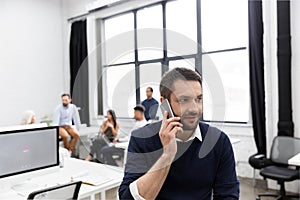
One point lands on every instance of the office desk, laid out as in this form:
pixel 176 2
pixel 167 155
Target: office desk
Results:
pixel 72 167
pixel 295 160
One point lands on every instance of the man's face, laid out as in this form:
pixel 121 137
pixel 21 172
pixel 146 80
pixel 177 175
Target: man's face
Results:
pixel 186 102
pixel 138 115
pixel 65 100
pixel 148 93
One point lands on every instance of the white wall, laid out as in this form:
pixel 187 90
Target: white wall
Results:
pixel 73 8
pixel 31 58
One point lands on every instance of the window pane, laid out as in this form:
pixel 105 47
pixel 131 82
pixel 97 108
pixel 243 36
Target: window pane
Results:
pixel 120 88
pixel 232 70
pixel 187 63
pixel 150 42
pixel 150 81
pixel 224 24
pixel 119 30
pixel 181 18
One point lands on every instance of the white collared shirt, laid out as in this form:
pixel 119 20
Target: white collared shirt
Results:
pixel 133 186
pixel 64 115
pixel 196 134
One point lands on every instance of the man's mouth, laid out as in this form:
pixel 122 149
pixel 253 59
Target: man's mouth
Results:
pixel 189 118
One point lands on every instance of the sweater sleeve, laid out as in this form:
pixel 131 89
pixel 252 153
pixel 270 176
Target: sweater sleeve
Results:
pixel 226 186
pixel 133 162
pixel 140 158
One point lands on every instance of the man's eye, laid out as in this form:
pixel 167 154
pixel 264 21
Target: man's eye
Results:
pixel 199 99
pixel 183 100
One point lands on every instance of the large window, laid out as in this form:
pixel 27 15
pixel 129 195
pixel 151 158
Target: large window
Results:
pixel 181 17
pixel 224 44
pixel 121 91
pixel 114 27
pixel 145 52
pixel 210 36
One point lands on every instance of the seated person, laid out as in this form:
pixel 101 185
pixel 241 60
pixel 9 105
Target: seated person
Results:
pixel 64 114
pixel 28 117
pixel 109 151
pixel 109 130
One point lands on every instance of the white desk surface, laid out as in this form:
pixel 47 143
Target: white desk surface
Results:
pixel 295 160
pixel 122 145
pixel 234 140
pixel 73 167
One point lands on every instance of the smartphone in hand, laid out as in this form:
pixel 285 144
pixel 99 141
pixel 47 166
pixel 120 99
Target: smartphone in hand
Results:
pixel 165 106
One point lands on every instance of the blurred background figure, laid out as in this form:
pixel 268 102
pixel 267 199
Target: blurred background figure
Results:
pixel 109 131
pixel 108 151
pixel 65 114
pixel 28 117
pixel 150 104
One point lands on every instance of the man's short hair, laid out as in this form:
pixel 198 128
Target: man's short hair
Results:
pixel 140 108
pixel 66 95
pixel 170 77
pixel 150 88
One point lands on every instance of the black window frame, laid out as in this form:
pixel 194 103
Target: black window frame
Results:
pixel 166 59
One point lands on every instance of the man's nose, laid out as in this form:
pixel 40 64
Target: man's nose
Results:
pixel 193 106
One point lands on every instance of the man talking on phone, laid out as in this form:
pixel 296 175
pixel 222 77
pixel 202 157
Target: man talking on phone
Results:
pixel 180 157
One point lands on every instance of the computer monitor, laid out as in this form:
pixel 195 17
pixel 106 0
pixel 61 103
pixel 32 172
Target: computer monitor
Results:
pixel 28 153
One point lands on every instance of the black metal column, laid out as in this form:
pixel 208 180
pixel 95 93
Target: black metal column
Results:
pixel 285 123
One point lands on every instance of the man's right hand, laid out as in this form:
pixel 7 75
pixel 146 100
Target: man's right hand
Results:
pixel 168 131
pixel 149 185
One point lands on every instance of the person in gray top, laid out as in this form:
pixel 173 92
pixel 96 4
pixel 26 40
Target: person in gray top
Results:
pixel 109 131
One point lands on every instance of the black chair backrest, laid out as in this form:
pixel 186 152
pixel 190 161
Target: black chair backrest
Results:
pixel 65 191
pixel 283 148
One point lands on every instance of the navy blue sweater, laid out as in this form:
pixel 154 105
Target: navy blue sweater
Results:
pixel 151 106
pixel 190 177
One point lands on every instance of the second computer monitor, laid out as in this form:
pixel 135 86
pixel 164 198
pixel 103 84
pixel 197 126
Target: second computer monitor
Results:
pixel 25 151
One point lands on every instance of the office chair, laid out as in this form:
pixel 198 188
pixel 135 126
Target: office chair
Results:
pixel 258 161
pixel 63 192
pixel 283 148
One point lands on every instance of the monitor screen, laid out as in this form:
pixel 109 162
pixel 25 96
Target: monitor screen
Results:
pixel 28 150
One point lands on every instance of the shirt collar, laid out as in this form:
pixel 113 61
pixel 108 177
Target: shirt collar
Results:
pixel 196 134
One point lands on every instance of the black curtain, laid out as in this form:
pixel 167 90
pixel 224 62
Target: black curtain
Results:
pixel 257 87
pixel 285 122
pixel 79 69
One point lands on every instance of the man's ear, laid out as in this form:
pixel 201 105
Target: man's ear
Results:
pixel 161 99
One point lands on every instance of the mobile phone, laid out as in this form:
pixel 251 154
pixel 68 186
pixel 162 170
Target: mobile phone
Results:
pixel 165 106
